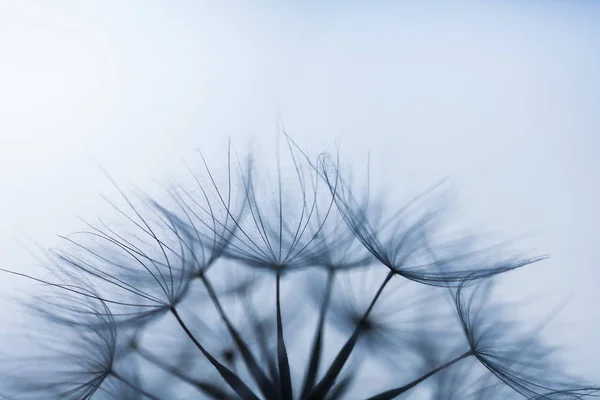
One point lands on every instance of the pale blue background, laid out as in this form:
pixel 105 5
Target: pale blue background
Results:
pixel 501 96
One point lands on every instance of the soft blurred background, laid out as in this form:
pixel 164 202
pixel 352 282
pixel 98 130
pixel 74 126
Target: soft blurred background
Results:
pixel 499 96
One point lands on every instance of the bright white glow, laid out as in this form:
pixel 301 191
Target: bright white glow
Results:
pixel 56 77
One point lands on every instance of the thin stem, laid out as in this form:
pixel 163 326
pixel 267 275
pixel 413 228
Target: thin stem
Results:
pixel 376 297
pixel 261 337
pixel 393 393
pixel 232 379
pixel 315 357
pixel 134 387
pixel 208 388
pixel 265 385
pixel 285 379
pixel 323 387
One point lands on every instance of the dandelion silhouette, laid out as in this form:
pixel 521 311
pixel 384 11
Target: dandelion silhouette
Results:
pixel 292 286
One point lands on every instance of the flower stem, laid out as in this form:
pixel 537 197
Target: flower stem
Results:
pixel 264 384
pixel 232 379
pixel 285 379
pixel 393 393
pixel 315 357
pixel 323 387
pixel 208 388
pixel 134 387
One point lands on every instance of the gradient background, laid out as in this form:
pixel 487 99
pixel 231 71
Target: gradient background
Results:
pixel 503 97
